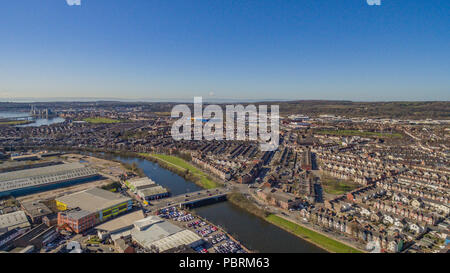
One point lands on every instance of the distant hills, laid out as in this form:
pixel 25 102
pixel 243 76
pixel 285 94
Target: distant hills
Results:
pixel 395 109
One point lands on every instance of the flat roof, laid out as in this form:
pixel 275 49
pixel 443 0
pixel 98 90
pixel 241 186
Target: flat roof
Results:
pixel 77 214
pixel 40 171
pixel 35 208
pixel 154 231
pixel 93 199
pixel 45 175
pixel 121 222
pixel 13 220
pixel 184 237
pixel 152 191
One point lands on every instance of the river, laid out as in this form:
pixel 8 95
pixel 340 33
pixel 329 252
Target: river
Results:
pixel 37 122
pixel 252 231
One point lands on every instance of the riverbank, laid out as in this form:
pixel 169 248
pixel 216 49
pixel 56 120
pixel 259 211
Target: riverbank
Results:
pixel 311 236
pixel 322 241
pixel 182 168
pixel 241 201
pixel 16 122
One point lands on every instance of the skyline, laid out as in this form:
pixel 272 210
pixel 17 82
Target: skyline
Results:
pixel 252 50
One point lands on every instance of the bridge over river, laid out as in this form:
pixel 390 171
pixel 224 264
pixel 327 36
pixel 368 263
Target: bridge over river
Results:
pixel 190 199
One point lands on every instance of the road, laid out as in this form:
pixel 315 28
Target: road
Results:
pixel 186 198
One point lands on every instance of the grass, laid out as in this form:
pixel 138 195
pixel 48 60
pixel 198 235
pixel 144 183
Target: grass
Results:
pixel 358 133
pixel 310 235
pixel 241 201
pixel 336 186
pixel 101 120
pixel 14 122
pixel 201 178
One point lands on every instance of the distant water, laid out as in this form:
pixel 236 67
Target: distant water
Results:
pixel 38 122
pixel 13 114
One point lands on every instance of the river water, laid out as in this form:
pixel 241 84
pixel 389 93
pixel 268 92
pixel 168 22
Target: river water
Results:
pixel 38 122
pixel 252 231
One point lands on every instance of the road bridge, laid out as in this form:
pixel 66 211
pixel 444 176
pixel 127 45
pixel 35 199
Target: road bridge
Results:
pixel 190 199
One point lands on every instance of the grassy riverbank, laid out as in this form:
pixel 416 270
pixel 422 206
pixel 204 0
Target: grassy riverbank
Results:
pixel 15 122
pixel 241 201
pixel 311 236
pixel 184 169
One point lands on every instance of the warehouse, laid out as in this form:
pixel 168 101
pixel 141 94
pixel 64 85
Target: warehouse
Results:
pixel 155 233
pixel 35 210
pixel 83 210
pixel 14 220
pixel 152 193
pixel 120 226
pixel 147 189
pixel 140 183
pixel 29 181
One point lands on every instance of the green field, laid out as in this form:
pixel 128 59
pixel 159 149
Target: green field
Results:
pixel 14 122
pixel 182 165
pixel 101 120
pixel 337 187
pixel 358 133
pixel 316 238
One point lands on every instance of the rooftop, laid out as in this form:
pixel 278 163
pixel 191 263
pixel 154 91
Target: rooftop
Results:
pixel 93 199
pixel 13 220
pixel 49 170
pixel 154 231
pixel 36 209
pixel 44 175
pixel 121 222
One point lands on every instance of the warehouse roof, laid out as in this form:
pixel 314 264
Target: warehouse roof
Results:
pixel 45 175
pixel 93 199
pixel 35 208
pixel 154 231
pixel 121 222
pixel 137 182
pixel 152 191
pixel 184 237
pixel 13 220
pixel 43 171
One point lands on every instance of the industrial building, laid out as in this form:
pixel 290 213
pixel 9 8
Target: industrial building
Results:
pixel 154 233
pixel 29 181
pixel 14 220
pixel 147 189
pixel 35 210
pixel 120 226
pixel 85 209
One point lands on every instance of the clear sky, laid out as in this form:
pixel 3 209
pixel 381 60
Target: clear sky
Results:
pixel 256 49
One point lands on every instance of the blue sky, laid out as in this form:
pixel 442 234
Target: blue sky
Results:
pixel 259 49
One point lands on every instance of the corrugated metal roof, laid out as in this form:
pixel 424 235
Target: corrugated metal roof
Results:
pixel 13 220
pixel 45 175
pixel 93 199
